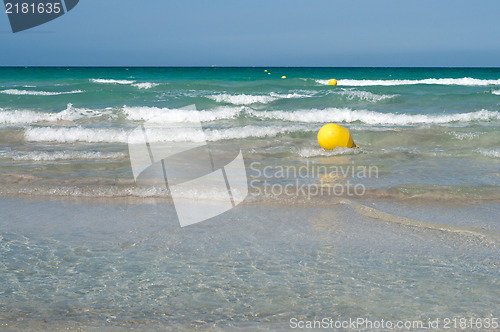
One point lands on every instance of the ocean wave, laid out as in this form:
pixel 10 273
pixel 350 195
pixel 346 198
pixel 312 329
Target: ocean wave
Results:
pixel 145 85
pixel 365 127
pixel 37 93
pixel 175 134
pixel 167 115
pixel 318 152
pixel 468 81
pixel 351 94
pixel 111 81
pixel 26 117
pixel 493 153
pixel 127 189
pixel 252 131
pixel 496 92
pixel 305 94
pixel 243 99
pixel 140 85
pixel 17 117
pixel 114 191
pixel 63 155
pixel 347 115
pixel 464 136
pixel 102 191
pixel 74 134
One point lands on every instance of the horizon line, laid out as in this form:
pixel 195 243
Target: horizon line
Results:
pixel 259 66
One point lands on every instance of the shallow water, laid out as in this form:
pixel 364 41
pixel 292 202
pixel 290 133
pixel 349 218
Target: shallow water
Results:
pixel 95 265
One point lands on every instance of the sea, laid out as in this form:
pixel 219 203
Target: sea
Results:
pixel 405 228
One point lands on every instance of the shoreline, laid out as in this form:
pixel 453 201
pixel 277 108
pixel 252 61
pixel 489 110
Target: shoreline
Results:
pixel 363 206
pixel 320 196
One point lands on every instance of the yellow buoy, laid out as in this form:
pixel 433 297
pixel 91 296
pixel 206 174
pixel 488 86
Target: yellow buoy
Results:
pixel 333 135
pixel 332 82
pixel 283 76
pixel 265 70
pixel 268 73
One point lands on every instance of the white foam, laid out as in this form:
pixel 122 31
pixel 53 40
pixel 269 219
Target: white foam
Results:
pixel 243 99
pixel 464 136
pixel 363 95
pixel 74 134
pixel 496 92
pixel 306 94
pixel 25 117
pixel 116 191
pixel 90 191
pixel 140 85
pixel 468 81
pixel 111 81
pixel 252 132
pixel 37 93
pixel 65 155
pixel 174 134
pixel 364 127
pixel 373 118
pixel 318 152
pixel 145 85
pixel 28 117
pixel 167 115
pixel 493 153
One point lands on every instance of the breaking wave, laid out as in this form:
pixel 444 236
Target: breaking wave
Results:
pixel 351 94
pixel 17 117
pixel 167 115
pixel 64 155
pixel 243 99
pixel 347 115
pixel 140 85
pixel 493 153
pixel 318 152
pixel 37 93
pixel 175 134
pixel 145 85
pixel 468 81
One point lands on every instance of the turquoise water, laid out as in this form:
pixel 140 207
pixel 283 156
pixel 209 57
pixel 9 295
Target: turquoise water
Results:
pixel 83 246
pixel 442 121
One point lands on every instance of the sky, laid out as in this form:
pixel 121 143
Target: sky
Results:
pixel 331 33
